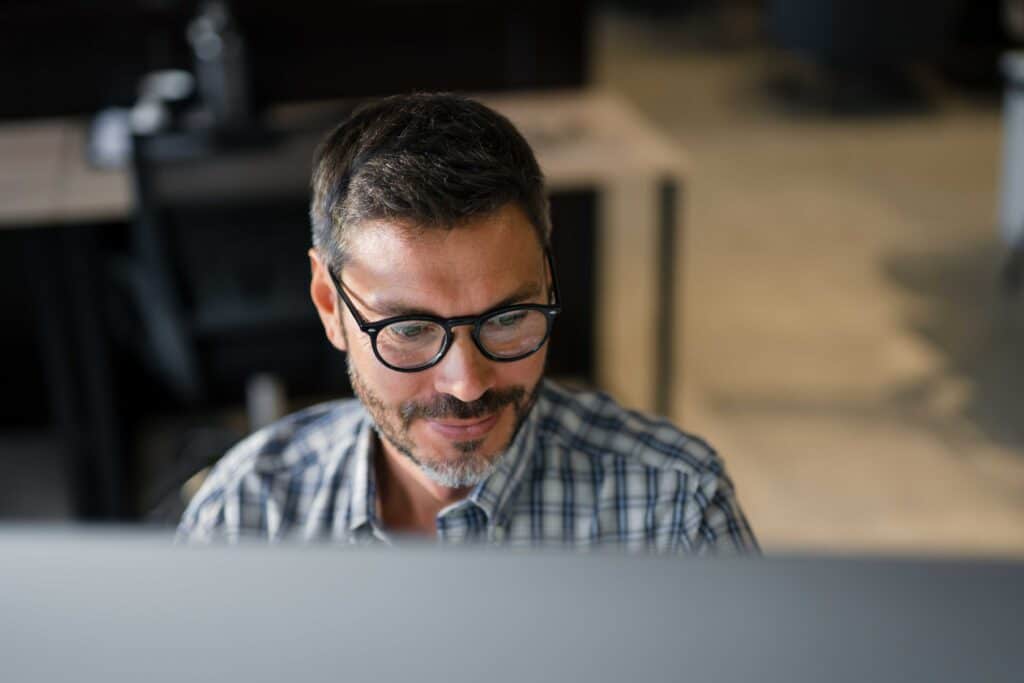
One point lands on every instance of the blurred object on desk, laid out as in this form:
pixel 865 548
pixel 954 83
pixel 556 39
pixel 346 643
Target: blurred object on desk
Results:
pixel 76 58
pixel 859 51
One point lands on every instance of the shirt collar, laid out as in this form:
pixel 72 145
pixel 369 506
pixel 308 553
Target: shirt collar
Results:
pixel 363 496
pixel 493 494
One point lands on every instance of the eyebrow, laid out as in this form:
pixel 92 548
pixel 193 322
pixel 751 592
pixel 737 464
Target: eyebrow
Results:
pixel 391 309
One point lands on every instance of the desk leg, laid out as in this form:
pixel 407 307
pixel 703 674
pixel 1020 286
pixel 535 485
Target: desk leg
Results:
pixel 84 269
pixel 45 279
pixel 629 275
pixel 78 369
pixel 669 272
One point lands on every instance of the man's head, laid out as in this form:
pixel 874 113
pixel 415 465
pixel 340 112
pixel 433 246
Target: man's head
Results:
pixel 431 161
pixel 434 205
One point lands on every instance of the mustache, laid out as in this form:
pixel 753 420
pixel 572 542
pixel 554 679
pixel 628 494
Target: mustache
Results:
pixel 447 406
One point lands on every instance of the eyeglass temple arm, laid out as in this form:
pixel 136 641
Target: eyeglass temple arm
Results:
pixel 360 321
pixel 554 276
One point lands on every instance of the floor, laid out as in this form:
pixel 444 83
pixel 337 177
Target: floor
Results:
pixel 846 346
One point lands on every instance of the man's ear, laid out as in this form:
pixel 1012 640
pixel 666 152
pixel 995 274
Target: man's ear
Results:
pixel 325 298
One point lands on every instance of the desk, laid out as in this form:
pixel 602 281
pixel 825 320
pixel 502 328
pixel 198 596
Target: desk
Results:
pixel 46 181
pixel 583 140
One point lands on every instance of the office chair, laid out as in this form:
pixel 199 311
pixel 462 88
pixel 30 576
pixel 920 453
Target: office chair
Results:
pixel 215 281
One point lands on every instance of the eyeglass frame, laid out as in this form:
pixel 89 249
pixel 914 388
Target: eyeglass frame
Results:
pixel 373 328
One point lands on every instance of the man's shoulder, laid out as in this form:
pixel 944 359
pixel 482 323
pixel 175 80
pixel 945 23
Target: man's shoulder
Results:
pixel 294 441
pixel 284 449
pixel 593 425
pixel 616 475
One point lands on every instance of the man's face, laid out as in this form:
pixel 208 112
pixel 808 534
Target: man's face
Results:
pixel 457 418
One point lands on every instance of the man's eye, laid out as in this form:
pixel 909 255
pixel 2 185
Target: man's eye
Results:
pixel 409 331
pixel 509 319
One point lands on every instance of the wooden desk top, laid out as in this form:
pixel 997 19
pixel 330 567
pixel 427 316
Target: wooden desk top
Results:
pixel 581 138
pixel 45 179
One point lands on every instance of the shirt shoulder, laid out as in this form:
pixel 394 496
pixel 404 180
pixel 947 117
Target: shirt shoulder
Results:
pixel 594 424
pixel 242 486
pixel 619 476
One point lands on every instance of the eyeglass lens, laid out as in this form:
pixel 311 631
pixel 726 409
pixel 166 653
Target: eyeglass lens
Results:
pixel 412 343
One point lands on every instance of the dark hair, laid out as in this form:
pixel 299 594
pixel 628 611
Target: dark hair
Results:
pixel 429 160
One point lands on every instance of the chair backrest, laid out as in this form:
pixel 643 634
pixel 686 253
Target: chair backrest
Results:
pixel 220 242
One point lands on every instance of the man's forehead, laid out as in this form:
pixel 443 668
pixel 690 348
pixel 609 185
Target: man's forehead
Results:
pixel 369 241
pixel 472 265
pixel 505 236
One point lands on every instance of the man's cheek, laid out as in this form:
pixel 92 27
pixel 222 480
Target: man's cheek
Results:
pixel 397 388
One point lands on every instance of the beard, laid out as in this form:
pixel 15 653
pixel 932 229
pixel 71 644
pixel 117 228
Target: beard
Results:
pixel 470 464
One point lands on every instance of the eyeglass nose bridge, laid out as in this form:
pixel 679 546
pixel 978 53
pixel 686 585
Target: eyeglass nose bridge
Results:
pixel 449 335
pixel 473 320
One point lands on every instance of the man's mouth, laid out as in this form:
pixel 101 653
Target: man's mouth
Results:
pixel 464 430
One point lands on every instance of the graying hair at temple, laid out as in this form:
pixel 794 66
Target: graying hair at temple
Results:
pixel 423 160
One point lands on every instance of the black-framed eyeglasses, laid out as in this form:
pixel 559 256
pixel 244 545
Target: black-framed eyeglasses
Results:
pixel 410 343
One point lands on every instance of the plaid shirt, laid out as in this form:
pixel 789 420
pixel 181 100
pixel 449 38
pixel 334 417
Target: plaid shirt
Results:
pixel 581 472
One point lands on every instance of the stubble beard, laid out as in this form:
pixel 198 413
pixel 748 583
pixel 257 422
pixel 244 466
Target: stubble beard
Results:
pixel 470 465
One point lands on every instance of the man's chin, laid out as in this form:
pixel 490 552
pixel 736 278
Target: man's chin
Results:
pixel 441 453
pixel 468 461
pixel 456 476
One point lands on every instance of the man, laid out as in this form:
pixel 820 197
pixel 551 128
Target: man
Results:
pixel 431 271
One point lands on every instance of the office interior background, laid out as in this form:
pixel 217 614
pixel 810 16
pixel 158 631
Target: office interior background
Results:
pixel 829 291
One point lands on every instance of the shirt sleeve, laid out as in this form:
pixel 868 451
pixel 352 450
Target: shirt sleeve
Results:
pixel 249 495
pixel 204 520
pixel 722 529
pixel 233 500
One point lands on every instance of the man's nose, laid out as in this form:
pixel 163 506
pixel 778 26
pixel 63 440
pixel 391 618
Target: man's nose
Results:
pixel 464 372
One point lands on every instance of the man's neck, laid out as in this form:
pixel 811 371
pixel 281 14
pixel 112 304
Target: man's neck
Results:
pixel 408 500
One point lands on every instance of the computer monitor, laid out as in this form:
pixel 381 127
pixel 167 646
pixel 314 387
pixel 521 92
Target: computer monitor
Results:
pixel 124 606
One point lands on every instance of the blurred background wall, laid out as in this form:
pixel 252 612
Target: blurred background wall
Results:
pixel 847 330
